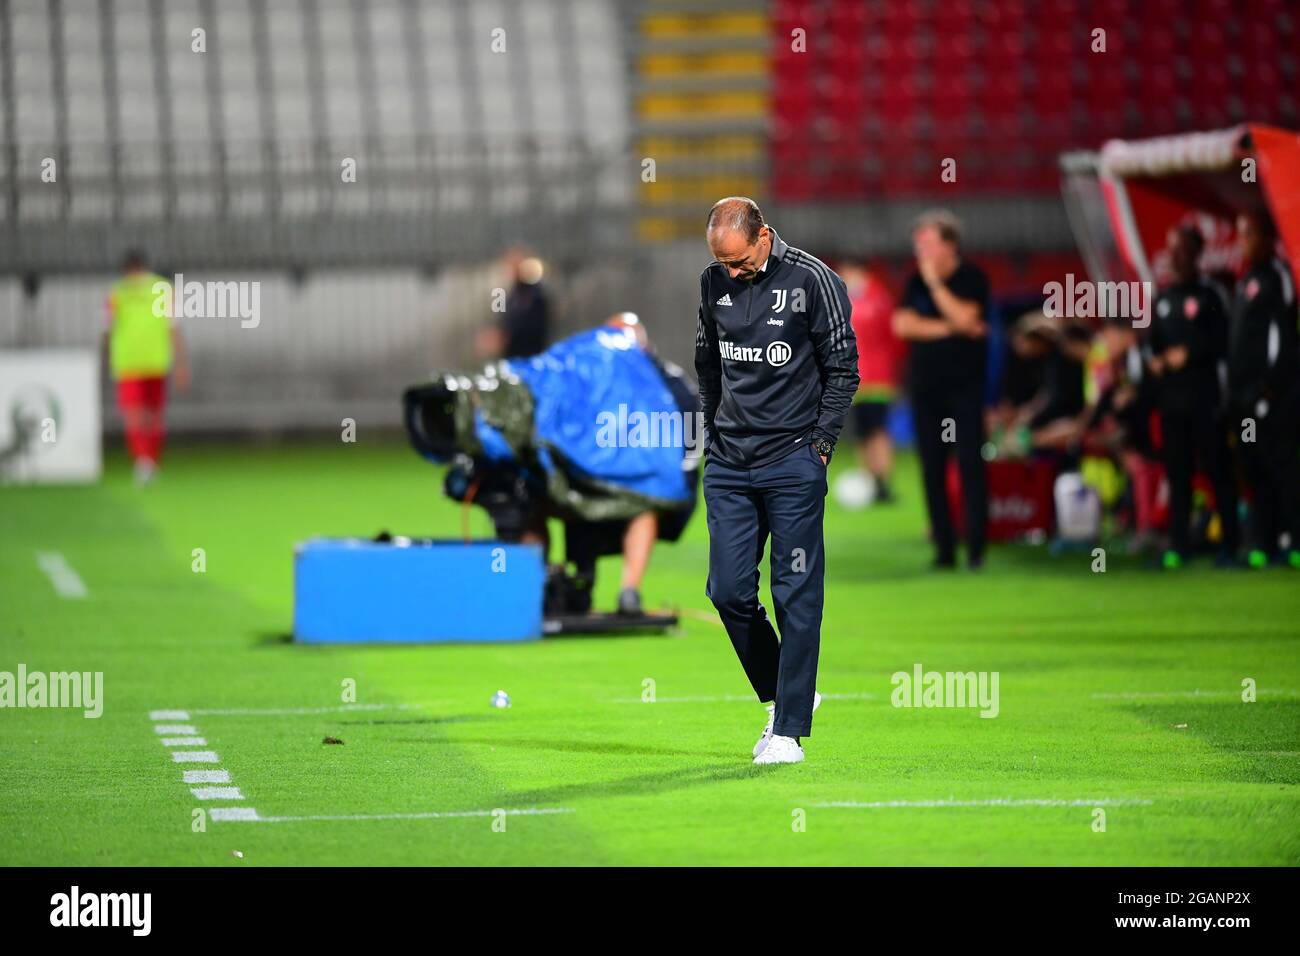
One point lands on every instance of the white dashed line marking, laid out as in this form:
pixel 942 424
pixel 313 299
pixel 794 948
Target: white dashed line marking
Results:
pixel 188 737
pixel 67 583
pixel 250 815
pixel 194 756
pixel 205 776
pixel 233 814
pixel 216 793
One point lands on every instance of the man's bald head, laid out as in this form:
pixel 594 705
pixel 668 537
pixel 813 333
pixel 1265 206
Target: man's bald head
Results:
pixel 630 322
pixel 736 214
pixel 738 236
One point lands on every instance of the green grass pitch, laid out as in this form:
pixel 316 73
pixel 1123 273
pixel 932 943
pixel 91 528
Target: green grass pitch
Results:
pixel 1097 674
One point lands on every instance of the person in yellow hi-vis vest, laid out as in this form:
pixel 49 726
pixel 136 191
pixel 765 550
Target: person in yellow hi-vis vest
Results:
pixel 144 345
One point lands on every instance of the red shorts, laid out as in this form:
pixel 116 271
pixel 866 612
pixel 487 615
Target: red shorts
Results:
pixel 149 394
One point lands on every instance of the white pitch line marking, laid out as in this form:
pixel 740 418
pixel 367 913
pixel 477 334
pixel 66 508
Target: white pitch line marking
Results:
pixel 216 793
pixel 250 815
pixel 723 699
pixel 67 583
pixel 1139 695
pixel 189 738
pixel 194 756
pixel 233 815
pixel 205 776
pixel 430 815
pixel 291 711
pixel 997 802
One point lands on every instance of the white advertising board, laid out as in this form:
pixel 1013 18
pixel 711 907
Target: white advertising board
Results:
pixel 49 416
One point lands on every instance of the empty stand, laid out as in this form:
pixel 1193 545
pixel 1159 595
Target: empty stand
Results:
pixel 887 89
pixel 471 108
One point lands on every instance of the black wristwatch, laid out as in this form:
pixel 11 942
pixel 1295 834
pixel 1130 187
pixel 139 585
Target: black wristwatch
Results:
pixel 824 447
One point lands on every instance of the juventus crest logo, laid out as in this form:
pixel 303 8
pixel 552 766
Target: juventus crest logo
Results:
pixel 779 305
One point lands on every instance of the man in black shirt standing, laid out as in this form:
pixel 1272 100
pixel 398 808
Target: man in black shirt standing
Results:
pixel 942 313
pixel 777 363
pixel 1189 342
pixel 1264 381
pixel 524 329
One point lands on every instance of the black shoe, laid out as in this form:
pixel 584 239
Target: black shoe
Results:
pixel 975 562
pixel 943 562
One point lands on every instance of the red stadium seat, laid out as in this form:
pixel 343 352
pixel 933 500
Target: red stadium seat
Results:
pixel 1007 86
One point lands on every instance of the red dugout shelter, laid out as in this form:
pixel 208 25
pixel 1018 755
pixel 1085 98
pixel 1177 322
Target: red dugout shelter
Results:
pixel 1123 200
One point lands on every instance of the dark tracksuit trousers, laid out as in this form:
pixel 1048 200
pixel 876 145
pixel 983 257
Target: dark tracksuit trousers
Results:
pixel 964 404
pixel 1273 471
pixel 1192 435
pixel 785 499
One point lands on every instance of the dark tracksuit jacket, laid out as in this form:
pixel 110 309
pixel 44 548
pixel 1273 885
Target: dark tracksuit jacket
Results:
pixel 1194 314
pixel 777 364
pixel 1264 385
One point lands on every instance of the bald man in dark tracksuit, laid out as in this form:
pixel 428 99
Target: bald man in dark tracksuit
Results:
pixel 777 364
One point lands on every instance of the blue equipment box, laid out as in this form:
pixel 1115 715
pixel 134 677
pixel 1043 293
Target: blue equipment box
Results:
pixel 348 590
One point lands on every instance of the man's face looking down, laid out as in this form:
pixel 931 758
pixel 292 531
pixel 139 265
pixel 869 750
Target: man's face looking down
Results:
pixel 735 253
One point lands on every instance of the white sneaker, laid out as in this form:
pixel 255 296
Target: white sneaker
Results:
pixel 145 470
pixel 781 750
pixel 771 718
